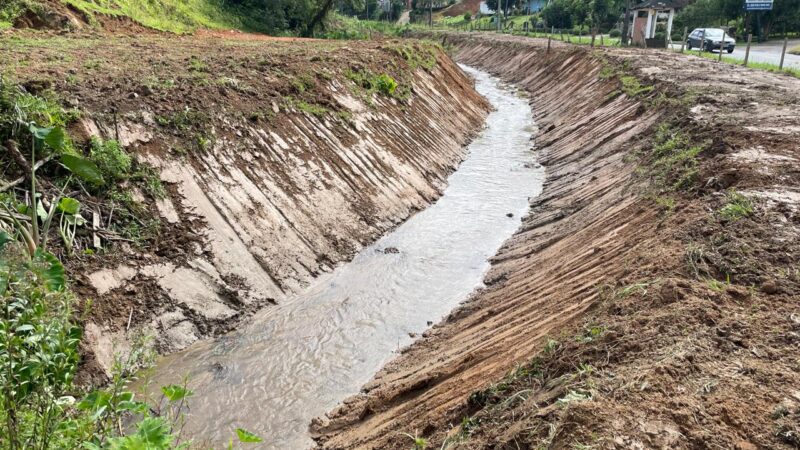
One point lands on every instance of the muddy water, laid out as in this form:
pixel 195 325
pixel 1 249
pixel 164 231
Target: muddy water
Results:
pixel 297 360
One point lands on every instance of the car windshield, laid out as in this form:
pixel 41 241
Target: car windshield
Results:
pixel 714 33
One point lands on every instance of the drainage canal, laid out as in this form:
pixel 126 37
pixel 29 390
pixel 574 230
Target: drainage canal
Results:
pixel 295 361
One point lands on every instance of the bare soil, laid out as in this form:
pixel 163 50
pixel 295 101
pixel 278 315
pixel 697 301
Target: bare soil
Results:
pixel 624 313
pixel 275 155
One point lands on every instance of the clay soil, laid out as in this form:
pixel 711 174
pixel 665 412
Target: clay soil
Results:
pixel 626 312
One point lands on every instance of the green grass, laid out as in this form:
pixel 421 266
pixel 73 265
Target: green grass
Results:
pixel 177 16
pixel 738 206
pixel 794 50
pixel 674 165
pixel 753 65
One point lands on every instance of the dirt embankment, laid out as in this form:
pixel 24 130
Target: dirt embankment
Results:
pixel 279 159
pixel 649 299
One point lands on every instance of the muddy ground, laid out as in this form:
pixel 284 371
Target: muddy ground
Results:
pixel 650 299
pixel 271 161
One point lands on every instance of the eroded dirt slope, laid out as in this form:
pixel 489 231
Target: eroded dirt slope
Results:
pixel 280 159
pixel 649 299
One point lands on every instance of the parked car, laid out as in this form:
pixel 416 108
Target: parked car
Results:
pixel 710 39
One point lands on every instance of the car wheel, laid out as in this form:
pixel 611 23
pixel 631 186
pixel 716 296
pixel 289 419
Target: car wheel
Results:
pixel 730 50
pixel 688 45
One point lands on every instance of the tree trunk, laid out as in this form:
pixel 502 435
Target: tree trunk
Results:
pixel 625 22
pixel 324 9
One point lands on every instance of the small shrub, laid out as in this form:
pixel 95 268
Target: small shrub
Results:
pixel 110 158
pixel 614 33
pixel 386 84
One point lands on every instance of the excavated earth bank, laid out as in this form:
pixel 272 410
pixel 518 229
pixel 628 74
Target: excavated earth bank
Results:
pixel 280 159
pixel 625 313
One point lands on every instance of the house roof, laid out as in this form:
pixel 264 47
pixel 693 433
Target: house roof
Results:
pixel 662 4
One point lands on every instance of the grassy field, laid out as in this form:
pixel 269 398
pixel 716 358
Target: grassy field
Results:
pixel 177 16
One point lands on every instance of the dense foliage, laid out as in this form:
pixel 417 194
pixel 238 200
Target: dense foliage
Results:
pixel 602 14
pixel 785 16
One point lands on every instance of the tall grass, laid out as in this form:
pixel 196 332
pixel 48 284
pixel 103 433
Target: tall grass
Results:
pixel 177 16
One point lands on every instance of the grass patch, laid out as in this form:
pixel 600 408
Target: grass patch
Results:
pixel 675 163
pixel 752 65
pixel 308 108
pixel 632 87
pixel 794 50
pixel 416 55
pixel 371 83
pixel 737 207
pixel 176 16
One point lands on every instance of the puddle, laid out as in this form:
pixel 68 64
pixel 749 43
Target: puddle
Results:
pixel 297 360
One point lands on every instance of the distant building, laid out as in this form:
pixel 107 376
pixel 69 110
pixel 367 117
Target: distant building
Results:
pixel 652 17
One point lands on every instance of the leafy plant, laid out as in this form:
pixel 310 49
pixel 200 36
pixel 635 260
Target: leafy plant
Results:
pixel 38 347
pixel 70 220
pixel 386 84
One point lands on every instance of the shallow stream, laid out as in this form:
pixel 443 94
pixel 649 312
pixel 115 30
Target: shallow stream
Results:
pixel 297 360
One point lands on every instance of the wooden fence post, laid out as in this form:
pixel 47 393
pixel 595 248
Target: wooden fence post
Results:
pixel 747 52
pixel 783 53
pixel 683 42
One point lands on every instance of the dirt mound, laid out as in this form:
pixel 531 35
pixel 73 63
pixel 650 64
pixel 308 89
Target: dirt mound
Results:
pixel 464 6
pixel 653 283
pixel 50 15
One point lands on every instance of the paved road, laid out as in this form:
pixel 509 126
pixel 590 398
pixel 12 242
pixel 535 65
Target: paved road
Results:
pixel 768 52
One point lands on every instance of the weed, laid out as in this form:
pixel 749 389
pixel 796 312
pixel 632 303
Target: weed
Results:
pixel 182 120
pixel 636 288
pixel 695 258
pixel 204 143
pixel 573 396
pixel 468 425
pixel 715 285
pixel 112 160
pixel 738 206
pixel 675 164
pixel 416 55
pixel 590 334
pixel 197 65
pixel 420 443
pixel 667 204
pixel 632 87
pixel 551 346
pixel 382 83
pixel 386 84
pixel 313 109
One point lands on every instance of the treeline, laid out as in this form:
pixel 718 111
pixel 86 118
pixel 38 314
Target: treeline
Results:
pixel 784 17
pixel 605 15
pixel 371 9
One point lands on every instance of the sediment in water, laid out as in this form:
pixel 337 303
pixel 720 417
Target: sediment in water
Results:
pixel 599 252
